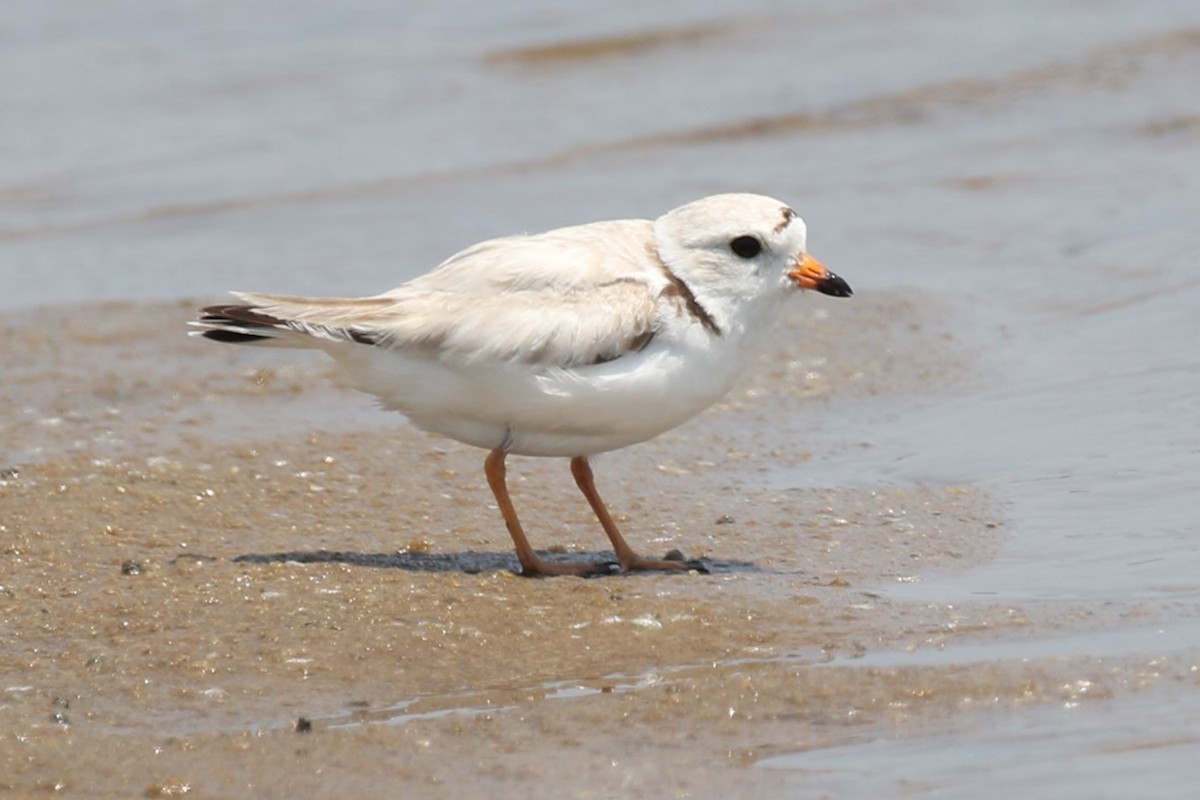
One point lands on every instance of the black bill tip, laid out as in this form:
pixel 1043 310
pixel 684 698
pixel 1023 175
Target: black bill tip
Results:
pixel 834 286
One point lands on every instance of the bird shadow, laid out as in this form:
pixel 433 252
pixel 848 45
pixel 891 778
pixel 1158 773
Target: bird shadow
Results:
pixel 470 562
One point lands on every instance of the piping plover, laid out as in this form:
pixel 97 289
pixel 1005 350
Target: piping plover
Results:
pixel 567 343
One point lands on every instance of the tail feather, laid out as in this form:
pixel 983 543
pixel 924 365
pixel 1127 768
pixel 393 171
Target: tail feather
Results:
pixel 239 312
pixel 233 337
pixel 234 323
pixel 285 321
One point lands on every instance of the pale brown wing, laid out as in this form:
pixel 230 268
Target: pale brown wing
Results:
pixel 543 327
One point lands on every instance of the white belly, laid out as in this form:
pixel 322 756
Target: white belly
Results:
pixel 551 412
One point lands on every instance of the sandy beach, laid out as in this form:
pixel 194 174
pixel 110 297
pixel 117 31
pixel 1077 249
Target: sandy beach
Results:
pixel 948 523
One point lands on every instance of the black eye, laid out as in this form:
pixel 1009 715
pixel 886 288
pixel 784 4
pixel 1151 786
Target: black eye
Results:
pixel 746 246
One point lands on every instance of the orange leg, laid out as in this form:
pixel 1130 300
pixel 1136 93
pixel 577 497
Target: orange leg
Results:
pixel 629 560
pixel 531 563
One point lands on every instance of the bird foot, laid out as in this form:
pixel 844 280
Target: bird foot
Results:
pixel 584 569
pixel 672 562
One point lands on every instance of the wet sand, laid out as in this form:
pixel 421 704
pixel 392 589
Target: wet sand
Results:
pixel 175 611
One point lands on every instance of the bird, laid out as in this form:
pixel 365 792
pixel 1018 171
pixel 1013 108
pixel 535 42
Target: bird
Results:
pixel 568 343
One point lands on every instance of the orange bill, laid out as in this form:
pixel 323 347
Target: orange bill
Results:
pixel 811 274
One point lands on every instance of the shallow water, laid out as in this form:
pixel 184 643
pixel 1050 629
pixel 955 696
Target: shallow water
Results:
pixel 1008 189
pixel 1093 751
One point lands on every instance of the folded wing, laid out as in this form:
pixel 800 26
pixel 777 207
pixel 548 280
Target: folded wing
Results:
pixel 555 300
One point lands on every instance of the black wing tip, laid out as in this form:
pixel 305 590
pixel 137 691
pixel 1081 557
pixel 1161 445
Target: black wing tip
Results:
pixel 239 313
pixel 233 337
pixel 249 317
